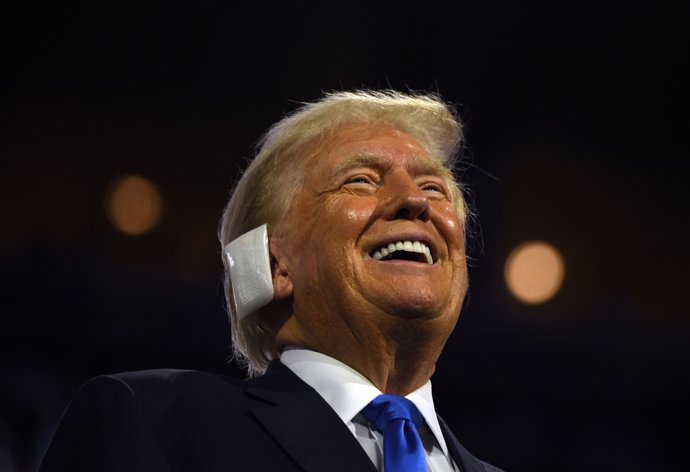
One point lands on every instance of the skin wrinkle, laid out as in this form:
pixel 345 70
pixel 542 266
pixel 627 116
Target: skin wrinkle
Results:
pixel 351 214
pixel 389 321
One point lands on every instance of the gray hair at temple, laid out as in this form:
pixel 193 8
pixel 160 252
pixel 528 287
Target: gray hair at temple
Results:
pixel 266 188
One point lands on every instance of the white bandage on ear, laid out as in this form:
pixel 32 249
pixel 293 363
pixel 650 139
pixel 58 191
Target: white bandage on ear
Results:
pixel 250 271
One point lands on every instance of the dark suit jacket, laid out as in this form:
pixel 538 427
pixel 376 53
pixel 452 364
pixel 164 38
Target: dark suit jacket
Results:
pixel 173 420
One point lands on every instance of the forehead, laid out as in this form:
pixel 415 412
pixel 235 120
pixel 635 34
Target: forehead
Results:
pixel 362 145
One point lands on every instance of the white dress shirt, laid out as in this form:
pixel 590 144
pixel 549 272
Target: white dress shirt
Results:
pixel 348 392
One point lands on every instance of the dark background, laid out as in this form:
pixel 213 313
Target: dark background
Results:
pixel 577 126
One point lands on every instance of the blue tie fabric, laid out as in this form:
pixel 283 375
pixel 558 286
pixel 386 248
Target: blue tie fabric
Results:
pixel 397 418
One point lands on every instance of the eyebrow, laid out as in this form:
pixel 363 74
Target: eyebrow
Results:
pixel 424 165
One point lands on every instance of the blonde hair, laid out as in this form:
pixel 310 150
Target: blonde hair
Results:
pixel 266 188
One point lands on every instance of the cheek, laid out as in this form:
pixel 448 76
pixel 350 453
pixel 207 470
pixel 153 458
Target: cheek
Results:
pixel 454 227
pixel 453 230
pixel 354 215
pixel 349 213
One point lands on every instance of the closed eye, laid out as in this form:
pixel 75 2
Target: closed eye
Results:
pixel 434 188
pixel 361 180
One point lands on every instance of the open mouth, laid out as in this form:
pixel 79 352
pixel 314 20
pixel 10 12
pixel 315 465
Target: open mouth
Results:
pixel 416 251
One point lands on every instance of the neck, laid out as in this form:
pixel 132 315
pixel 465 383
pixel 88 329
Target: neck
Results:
pixel 397 372
pixel 396 362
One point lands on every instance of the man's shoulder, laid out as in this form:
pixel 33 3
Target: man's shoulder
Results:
pixel 160 396
pixel 141 380
pixel 165 417
pixel 191 385
pixel 156 385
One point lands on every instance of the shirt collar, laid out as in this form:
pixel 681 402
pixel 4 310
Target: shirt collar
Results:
pixel 347 391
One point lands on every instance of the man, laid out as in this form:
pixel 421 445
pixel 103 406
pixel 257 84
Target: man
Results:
pixel 367 276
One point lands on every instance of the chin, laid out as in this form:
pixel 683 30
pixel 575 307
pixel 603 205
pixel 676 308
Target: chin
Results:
pixel 416 308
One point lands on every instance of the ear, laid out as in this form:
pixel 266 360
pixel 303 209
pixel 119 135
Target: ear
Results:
pixel 282 280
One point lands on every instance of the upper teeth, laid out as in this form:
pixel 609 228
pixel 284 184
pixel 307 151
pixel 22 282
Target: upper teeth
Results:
pixel 409 246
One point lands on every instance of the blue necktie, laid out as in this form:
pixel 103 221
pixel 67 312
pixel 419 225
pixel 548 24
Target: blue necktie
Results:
pixel 397 418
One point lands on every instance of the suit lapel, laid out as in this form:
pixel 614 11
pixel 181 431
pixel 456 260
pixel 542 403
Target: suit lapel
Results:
pixel 304 424
pixel 465 461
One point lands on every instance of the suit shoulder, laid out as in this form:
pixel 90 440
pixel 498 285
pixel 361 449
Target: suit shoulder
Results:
pixel 170 378
pixel 158 384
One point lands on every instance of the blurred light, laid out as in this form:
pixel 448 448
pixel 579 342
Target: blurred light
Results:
pixel 133 204
pixel 534 272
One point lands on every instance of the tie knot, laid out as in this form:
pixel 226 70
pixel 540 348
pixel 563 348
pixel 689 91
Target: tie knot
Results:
pixel 386 408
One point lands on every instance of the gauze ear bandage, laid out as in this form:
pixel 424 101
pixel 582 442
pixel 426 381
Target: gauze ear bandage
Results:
pixel 250 271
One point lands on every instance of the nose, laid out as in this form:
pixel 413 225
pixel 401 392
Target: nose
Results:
pixel 406 200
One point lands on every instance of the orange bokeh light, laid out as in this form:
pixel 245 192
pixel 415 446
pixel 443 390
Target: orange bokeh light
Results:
pixel 133 205
pixel 534 272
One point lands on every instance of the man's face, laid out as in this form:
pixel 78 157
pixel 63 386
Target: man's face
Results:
pixel 368 192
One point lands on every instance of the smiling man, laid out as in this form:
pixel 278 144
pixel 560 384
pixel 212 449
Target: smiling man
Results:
pixel 367 275
pixel 371 251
